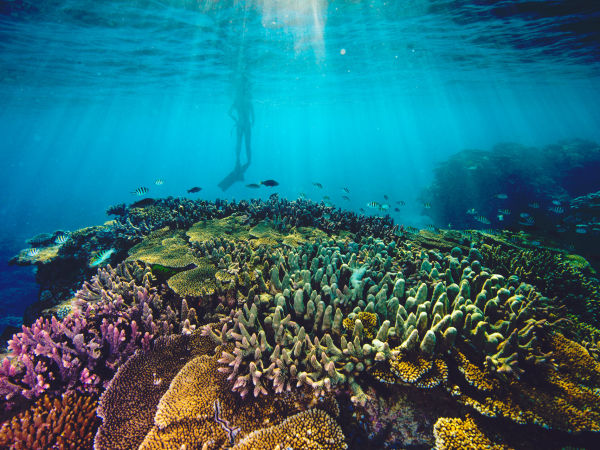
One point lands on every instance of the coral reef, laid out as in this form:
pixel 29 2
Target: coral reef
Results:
pixel 114 318
pixel 68 422
pixel 455 434
pixel 190 403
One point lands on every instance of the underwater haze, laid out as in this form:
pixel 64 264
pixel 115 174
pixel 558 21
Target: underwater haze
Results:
pixel 100 98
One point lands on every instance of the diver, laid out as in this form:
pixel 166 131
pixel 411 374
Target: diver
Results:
pixel 242 112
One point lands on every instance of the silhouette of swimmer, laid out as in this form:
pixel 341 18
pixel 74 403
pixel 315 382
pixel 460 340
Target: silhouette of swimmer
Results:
pixel 242 113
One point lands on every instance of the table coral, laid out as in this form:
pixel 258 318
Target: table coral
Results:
pixel 458 434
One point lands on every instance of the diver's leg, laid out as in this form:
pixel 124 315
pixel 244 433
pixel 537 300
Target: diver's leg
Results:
pixel 248 145
pixel 238 146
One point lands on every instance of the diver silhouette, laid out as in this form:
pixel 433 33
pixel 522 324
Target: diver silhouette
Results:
pixel 242 113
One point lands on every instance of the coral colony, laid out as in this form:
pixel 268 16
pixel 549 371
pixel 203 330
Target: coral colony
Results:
pixel 279 324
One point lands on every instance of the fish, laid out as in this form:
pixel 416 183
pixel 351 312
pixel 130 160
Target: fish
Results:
pixel 556 202
pixel 33 251
pixel 142 190
pixel 253 186
pixel 61 239
pixel 427 205
pixel 557 210
pixel 483 220
pixel 400 202
pixel 431 227
pixel 375 205
pixel 524 215
pixel 346 190
pixel 101 257
pixel 143 203
pixel 302 195
pixel 500 217
pixel 535 243
pixel 581 229
pixel 194 190
pixel 345 197
pixel 159 182
pixel 504 212
pixel 527 221
pixel 502 196
pixel 397 209
pixel 385 197
pixel 472 211
pixel 319 185
pixel 326 197
pixel 534 205
pixel 361 209
pixel 472 168
pixel 269 183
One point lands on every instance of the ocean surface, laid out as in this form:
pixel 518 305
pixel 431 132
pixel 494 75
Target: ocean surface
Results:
pixel 100 98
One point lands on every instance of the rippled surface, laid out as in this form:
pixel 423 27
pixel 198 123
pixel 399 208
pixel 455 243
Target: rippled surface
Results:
pixel 315 48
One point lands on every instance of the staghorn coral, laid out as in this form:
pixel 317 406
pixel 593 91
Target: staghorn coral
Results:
pixel 456 434
pixel 68 422
pixel 82 351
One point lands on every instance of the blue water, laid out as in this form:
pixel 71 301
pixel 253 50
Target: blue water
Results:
pixel 99 98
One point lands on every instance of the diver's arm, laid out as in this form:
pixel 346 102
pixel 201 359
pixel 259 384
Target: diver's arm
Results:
pixel 230 113
pixel 251 115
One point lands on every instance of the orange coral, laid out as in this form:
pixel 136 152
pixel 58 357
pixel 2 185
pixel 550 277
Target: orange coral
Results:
pixel 66 423
pixel 455 433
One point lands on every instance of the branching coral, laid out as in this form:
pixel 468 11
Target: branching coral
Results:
pixel 67 423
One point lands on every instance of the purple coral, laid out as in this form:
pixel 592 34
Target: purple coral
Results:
pixel 83 350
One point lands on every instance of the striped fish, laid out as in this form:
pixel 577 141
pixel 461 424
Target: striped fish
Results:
pixel 61 239
pixel 142 190
pixel 101 257
pixel 375 205
pixel 33 251
pixel 159 182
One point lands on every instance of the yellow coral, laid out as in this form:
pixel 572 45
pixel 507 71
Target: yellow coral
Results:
pixel 312 430
pixel 455 433
pixel 231 227
pixel 411 369
pixel 194 282
pixel 165 247
pixel 474 375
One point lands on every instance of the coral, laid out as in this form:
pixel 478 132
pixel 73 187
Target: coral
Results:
pixel 314 430
pixel 179 386
pixel 83 350
pixel 455 434
pixel 164 247
pixel 68 422
pixel 129 403
pixel 232 227
pixel 195 282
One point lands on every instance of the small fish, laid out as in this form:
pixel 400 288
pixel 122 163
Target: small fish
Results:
pixel 483 220
pixel 345 197
pixel 361 209
pixel 534 205
pixel 581 229
pixel 101 257
pixel 326 197
pixel 269 183
pixel 501 196
pixel 319 185
pixel 159 182
pixel 557 210
pixel 194 190
pixel 527 221
pixel 535 243
pixel 556 202
pixel 397 209
pixel 142 190
pixel 472 211
pixel 302 195
pixel 143 203
pixel 33 251
pixel 375 205
pixel 253 186
pixel 524 215
pixel 400 202
pixel 427 205
pixel 346 190
pixel 472 168
pixel 500 217
pixel 431 227
pixel 385 197
pixel 61 239
pixel 560 229
pixel 504 212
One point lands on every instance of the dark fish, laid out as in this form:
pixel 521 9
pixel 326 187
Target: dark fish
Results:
pixel 345 197
pixel 397 209
pixel 346 190
pixel 194 190
pixel 253 186
pixel 386 197
pixel 143 203
pixel 269 183
pixel 140 191
pixel 427 205
pixel 319 185
pixel 401 202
